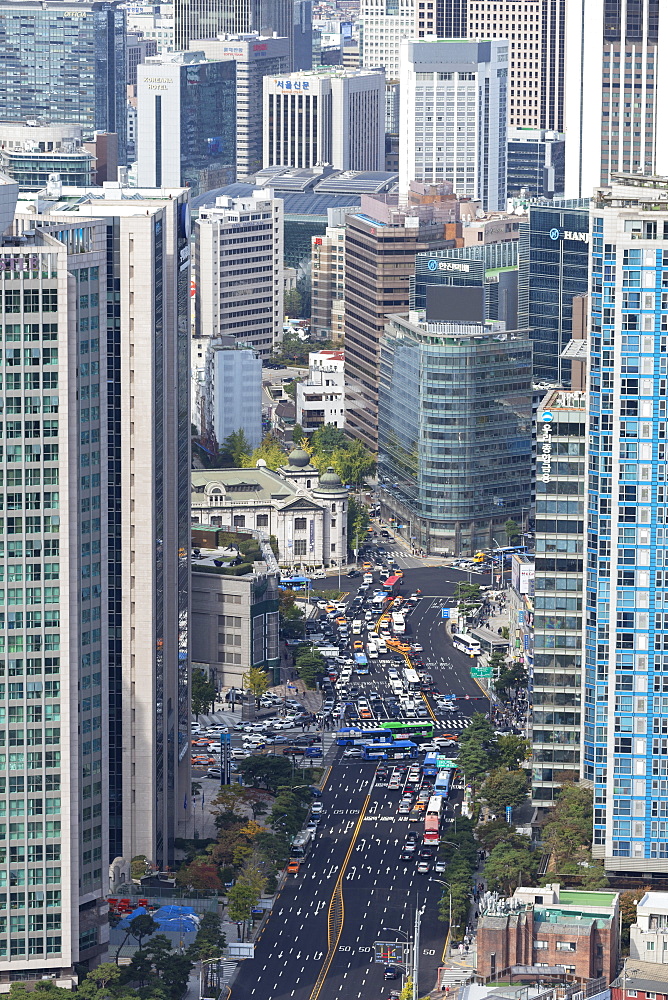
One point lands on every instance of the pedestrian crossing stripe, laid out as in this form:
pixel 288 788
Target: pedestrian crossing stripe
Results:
pixel 445 725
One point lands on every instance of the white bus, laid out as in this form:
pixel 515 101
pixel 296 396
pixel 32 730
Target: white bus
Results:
pixel 411 679
pixel 467 643
pixel 398 623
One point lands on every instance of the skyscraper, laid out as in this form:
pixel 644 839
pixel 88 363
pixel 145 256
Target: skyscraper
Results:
pixel 64 63
pixel 185 116
pixel 383 24
pixel 614 90
pixel 96 546
pixel 197 19
pixel 452 115
pixel 625 689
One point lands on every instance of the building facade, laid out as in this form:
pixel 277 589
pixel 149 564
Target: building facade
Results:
pixel 255 57
pixel 77 76
pixel 235 618
pixel 453 106
pixel 559 578
pixel 615 89
pixel 231 392
pixel 553 271
pixel 197 19
pixel 334 116
pixel 625 751
pixel 94 661
pixel 536 164
pixel 239 271
pixel 382 26
pixel 328 276
pixel 453 480
pixel 185 122
pixel 321 397
pixel 380 249
pixel 536 56
pixel 649 934
pixel 31 153
pixel 306 513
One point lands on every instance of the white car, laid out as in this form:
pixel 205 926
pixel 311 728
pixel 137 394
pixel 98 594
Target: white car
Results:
pixel 352 752
pixel 239 753
pixel 316 808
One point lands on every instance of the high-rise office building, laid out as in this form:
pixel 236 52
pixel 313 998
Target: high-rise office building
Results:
pixel 255 57
pixel 64 63
pixel 332 116
pixel 302 34
pixel 553 270
pixel 453 117
pixel 380 247
pixel 94 645
pixel 328 278
pixel 615 89
pixel 536 56
pixel 196 19
pixel 231 392
pixel 556 684
pixel 441 18
pixel 382 26
pixel 536 164
pixel 454 430
pixel 239 271
pixel 625 689
pixel 185 119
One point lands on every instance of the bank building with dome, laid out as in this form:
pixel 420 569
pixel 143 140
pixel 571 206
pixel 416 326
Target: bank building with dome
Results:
pixel 307 512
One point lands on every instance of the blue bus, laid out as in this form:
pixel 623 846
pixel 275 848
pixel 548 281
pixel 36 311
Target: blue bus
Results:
pixel 361 664
pixel 397 750
pixel 430 766
pixel 353 736
pixel 296 583
pixel 443 783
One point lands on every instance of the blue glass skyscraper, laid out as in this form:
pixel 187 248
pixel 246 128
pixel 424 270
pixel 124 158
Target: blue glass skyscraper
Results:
pixel 625 752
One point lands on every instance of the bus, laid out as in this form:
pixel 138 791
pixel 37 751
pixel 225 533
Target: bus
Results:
pixel 398 750
pixel 430 766
pixel 301 845
pixel 353 736
pixel 378 602
pixel 408 730
pixel 398 623
pixel 443 782
pixel 361 664
pixel 467 643
pixel 392 584
pixel 296 583
pixel 433 819
pixel 411 679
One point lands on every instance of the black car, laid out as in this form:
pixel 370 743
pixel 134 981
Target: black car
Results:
pixel 426 854
pixel 412 837
pixel 394 710
pixel 353 574
pixel 391 972
pixel 381 772
pixel 293 751
pixel 405 855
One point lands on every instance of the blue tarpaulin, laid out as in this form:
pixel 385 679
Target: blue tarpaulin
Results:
pixel 180 919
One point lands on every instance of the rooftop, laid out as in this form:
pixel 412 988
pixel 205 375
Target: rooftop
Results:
pixel 650 976
pixel 245 485
pixel 576 897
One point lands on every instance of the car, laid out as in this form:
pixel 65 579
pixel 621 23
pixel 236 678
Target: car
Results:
pixel 214 772
pixel 394 782
pixel 202 761
pixel 312 825
pixel 293 751
pixel 411 843
pixel 440 865
pixel 416 647
pixel 313 752
pixel 366 713
pixel 381 773
pixel 404 808
pixel 353 574
pixel 405 855
pixel 424 867
pixel 390 972
pixel 352 752
pixel 426 854
pixel 239 753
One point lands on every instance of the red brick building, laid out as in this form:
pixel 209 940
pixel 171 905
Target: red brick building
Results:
pixel 548 928
pixel 641 981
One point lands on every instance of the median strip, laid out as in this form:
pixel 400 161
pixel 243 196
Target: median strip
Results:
pixel 336 912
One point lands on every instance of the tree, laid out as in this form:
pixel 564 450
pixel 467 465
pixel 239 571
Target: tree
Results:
pixel 354 463
pixel 497 831
pixel 269 770
pixel 236 448
pixel 210 940
pixel 310 666
pixel 297 433
pixel 292 303
pixel 513 530
pixel 468 593
pixel 327 439
pixel 568 826
pixel 240 901
pixel 257 682
pixel 506 868
pixel 287 606
pixel 512 750
pixel 504 788
pixel 512 676
pixel 142 927
pixel 201 875
pixel 269 450
pixel 202 692
pixel 358 522
pixel 101 983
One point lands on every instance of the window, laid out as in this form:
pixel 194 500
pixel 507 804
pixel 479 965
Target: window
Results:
pixel 300 524
pixel 299 546
pixel 239 521
pixel 566 945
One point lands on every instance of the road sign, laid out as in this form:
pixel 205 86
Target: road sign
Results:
pixel 390 952
pixel 446 612
pixel 445 763
pixel 481 672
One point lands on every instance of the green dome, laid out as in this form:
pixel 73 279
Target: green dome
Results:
pixel 330 481
pixel 298 458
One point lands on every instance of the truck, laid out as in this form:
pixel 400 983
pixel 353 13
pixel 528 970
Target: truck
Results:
pixel 372 648
pixel 398 623
pixel 381 645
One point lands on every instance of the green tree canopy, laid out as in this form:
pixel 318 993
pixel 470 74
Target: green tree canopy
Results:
pixel 210 940
pixel 512 750
pixel 508 867
pixel 202 692
pixel 257 682
pixel 568 827
pixel 358 522
pixel 268 771
pixel 235 448
pixel 270 450
pixel 287 606
pixel 310 666
pixel 497 831
pixel 513 530
pixel 327 439
pixel 504 788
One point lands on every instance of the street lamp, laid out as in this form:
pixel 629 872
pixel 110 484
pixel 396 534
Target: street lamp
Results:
pixel 449 888
pixel 501 558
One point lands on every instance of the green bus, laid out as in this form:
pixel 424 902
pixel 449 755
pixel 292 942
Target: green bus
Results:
pixel 405 729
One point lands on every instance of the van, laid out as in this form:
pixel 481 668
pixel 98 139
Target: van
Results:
pixel 372 651
pixel 367 579
pixel 381 645
pixel 357 627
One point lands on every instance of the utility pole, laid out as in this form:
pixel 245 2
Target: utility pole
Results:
pixel 416 948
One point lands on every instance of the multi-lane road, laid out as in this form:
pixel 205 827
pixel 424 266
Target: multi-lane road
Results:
pixel 353 890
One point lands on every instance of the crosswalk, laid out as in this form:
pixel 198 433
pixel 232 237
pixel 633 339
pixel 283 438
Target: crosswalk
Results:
pixel 444 724
pixel 453 977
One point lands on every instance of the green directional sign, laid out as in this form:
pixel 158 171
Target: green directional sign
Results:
pixel 445 763
pixel 481 672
